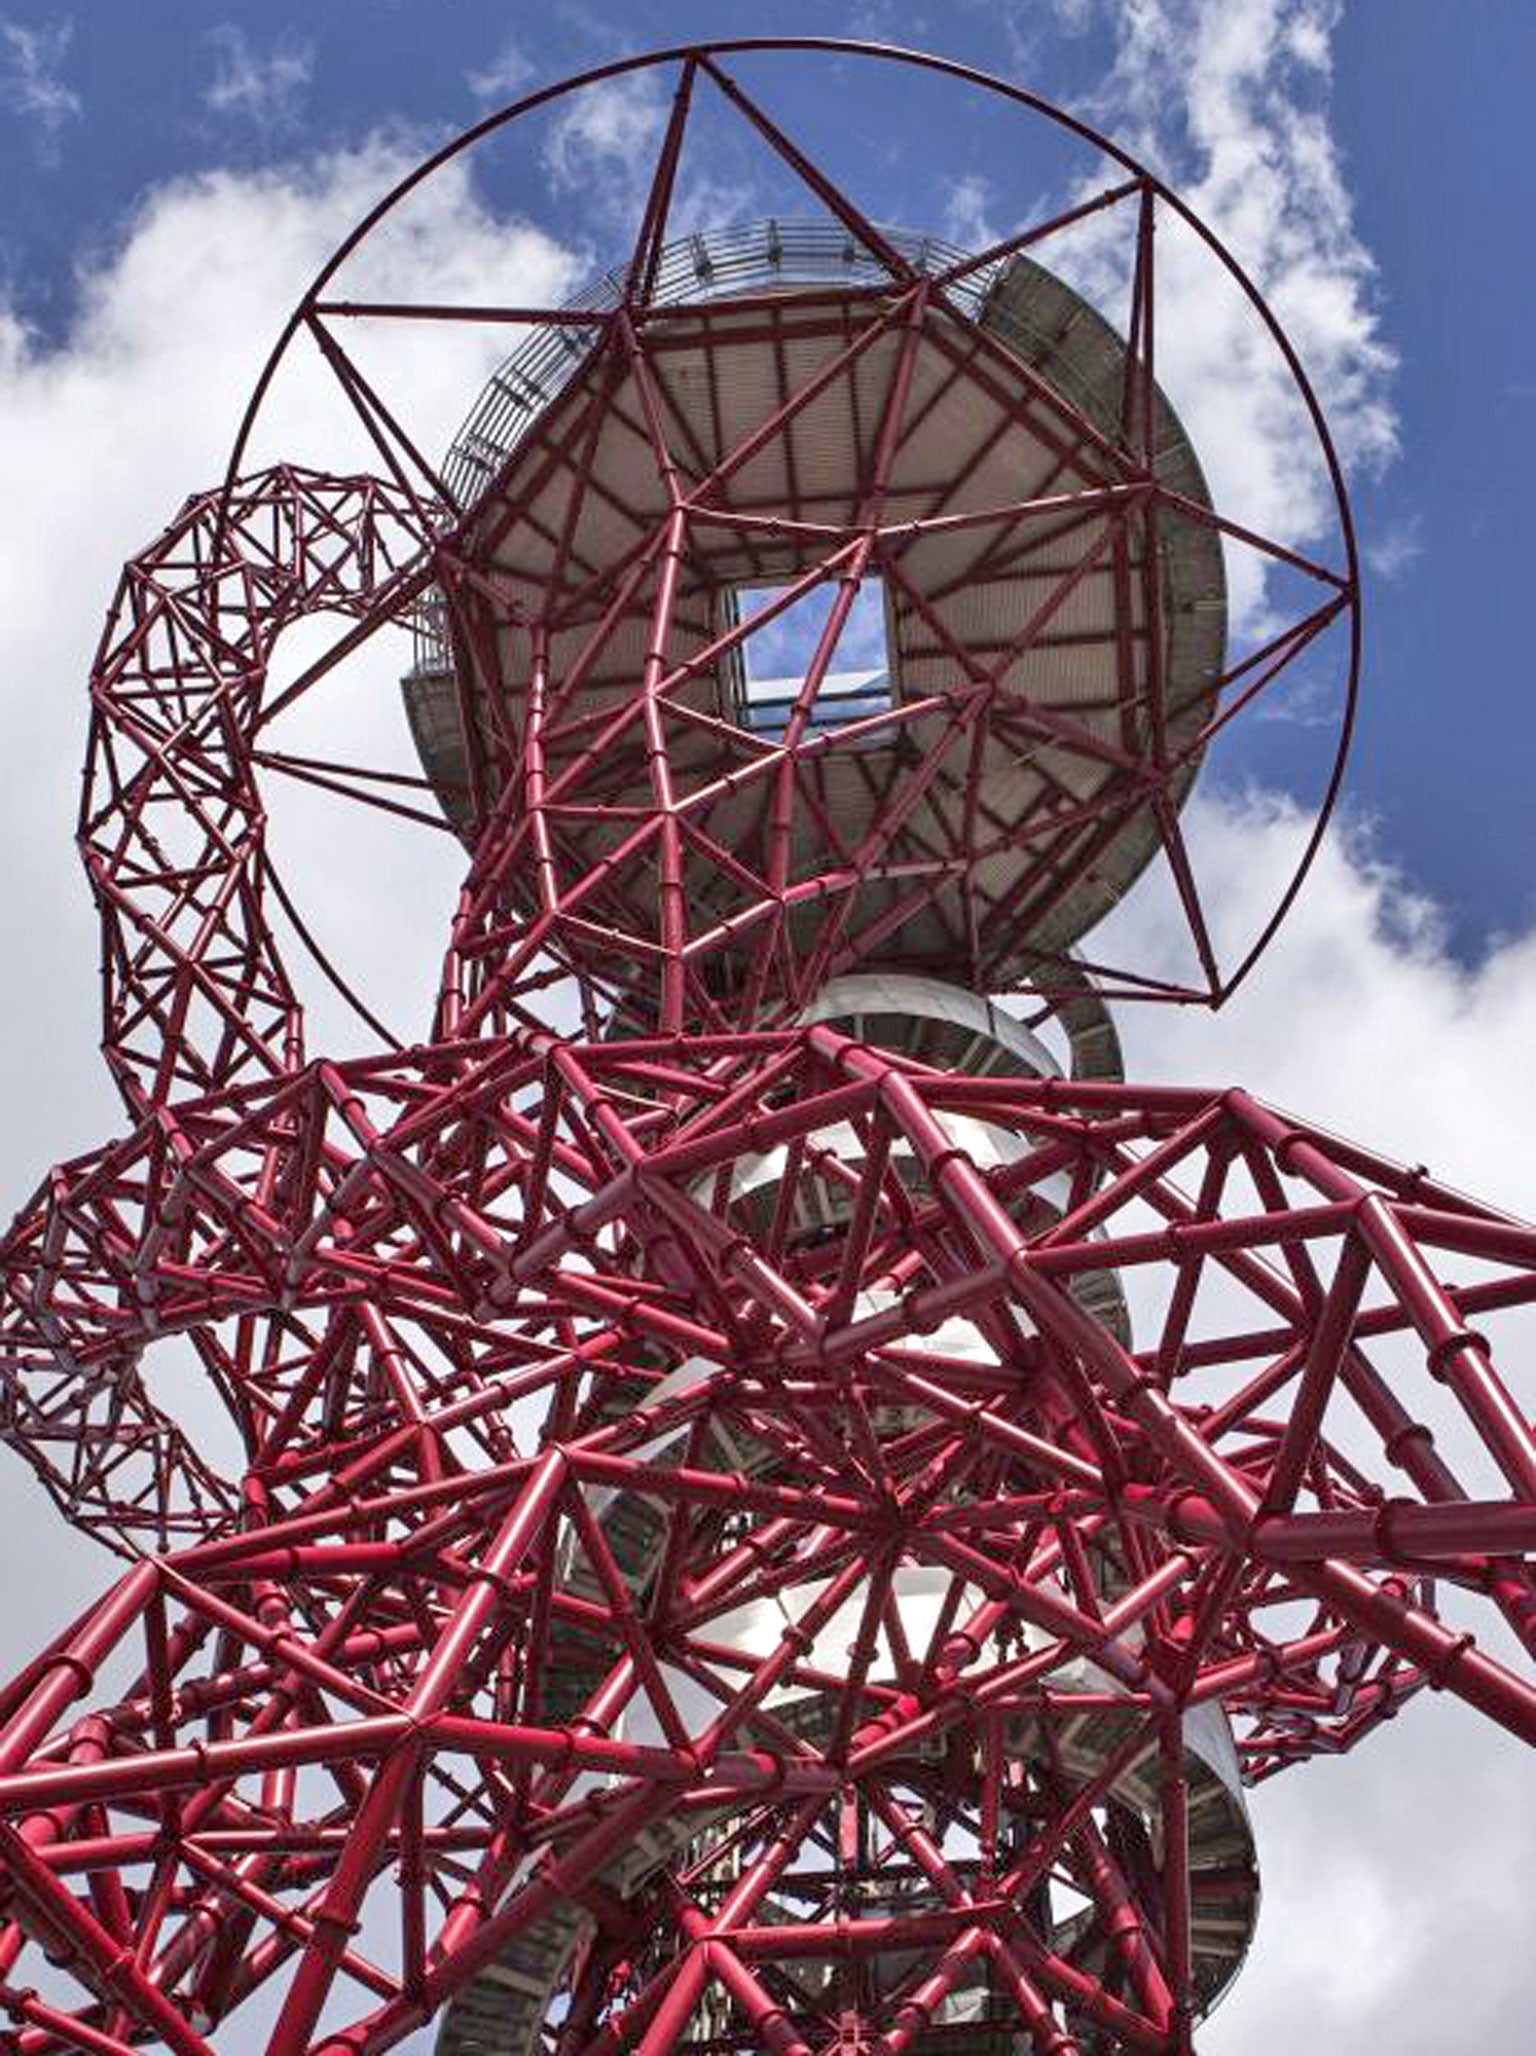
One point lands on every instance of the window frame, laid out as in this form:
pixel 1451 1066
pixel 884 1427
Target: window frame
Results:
pixel 734 670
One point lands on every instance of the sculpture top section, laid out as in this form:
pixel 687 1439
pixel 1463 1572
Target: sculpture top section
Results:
pixel 848 601
pixel 812 599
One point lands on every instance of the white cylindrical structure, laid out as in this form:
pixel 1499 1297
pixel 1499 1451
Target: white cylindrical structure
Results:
pixel 502 2012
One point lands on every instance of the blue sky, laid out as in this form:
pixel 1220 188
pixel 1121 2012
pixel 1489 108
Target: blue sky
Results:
pixel 173 172
pixel 1427 109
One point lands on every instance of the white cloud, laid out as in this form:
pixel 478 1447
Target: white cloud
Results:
pixel 967 218
pixel 265 91
pixel 603 144
pixel 1227 100
pixel 887 21
pixel 1307 38
pixel 1227 96
pixel 1396 1890
pixel 1380 1870
pixel 113 428
pixel 506 72
pixel 30 81
pixel 1358 1016
pixel 1399 544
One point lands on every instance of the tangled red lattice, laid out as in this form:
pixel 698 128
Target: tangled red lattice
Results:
pixel 775 1519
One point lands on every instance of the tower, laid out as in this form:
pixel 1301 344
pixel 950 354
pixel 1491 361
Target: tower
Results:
pixel 782 1501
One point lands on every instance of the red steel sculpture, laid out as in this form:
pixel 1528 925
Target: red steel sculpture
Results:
pixel 786 1512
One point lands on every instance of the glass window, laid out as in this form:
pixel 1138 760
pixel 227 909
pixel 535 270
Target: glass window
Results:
pixel 772 662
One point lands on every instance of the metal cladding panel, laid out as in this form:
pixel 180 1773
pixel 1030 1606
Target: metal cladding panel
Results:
pixel 1065 676
pixel 681 379
pixel 983 614
pixel 932 1022
pixel 826 435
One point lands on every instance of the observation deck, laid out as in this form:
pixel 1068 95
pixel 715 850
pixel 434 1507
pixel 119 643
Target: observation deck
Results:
pixel 1027 609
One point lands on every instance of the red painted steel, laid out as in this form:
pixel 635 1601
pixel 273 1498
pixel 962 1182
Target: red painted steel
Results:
pixel 614 1408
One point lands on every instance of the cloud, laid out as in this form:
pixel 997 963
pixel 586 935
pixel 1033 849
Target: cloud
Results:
pixel 1227 99
pixel 264 91
pixel 1359 1015
pixel 1381 1869
pixel 500 79
pixel 30 84
pixel 967 220
pixel 886 21
pixel 1395 1888
pixel 1396 546
pixel 603 144
pixel 1302 698
pixel 112 428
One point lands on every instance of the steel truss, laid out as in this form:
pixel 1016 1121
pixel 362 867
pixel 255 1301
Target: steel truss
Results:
pixel 614 1406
